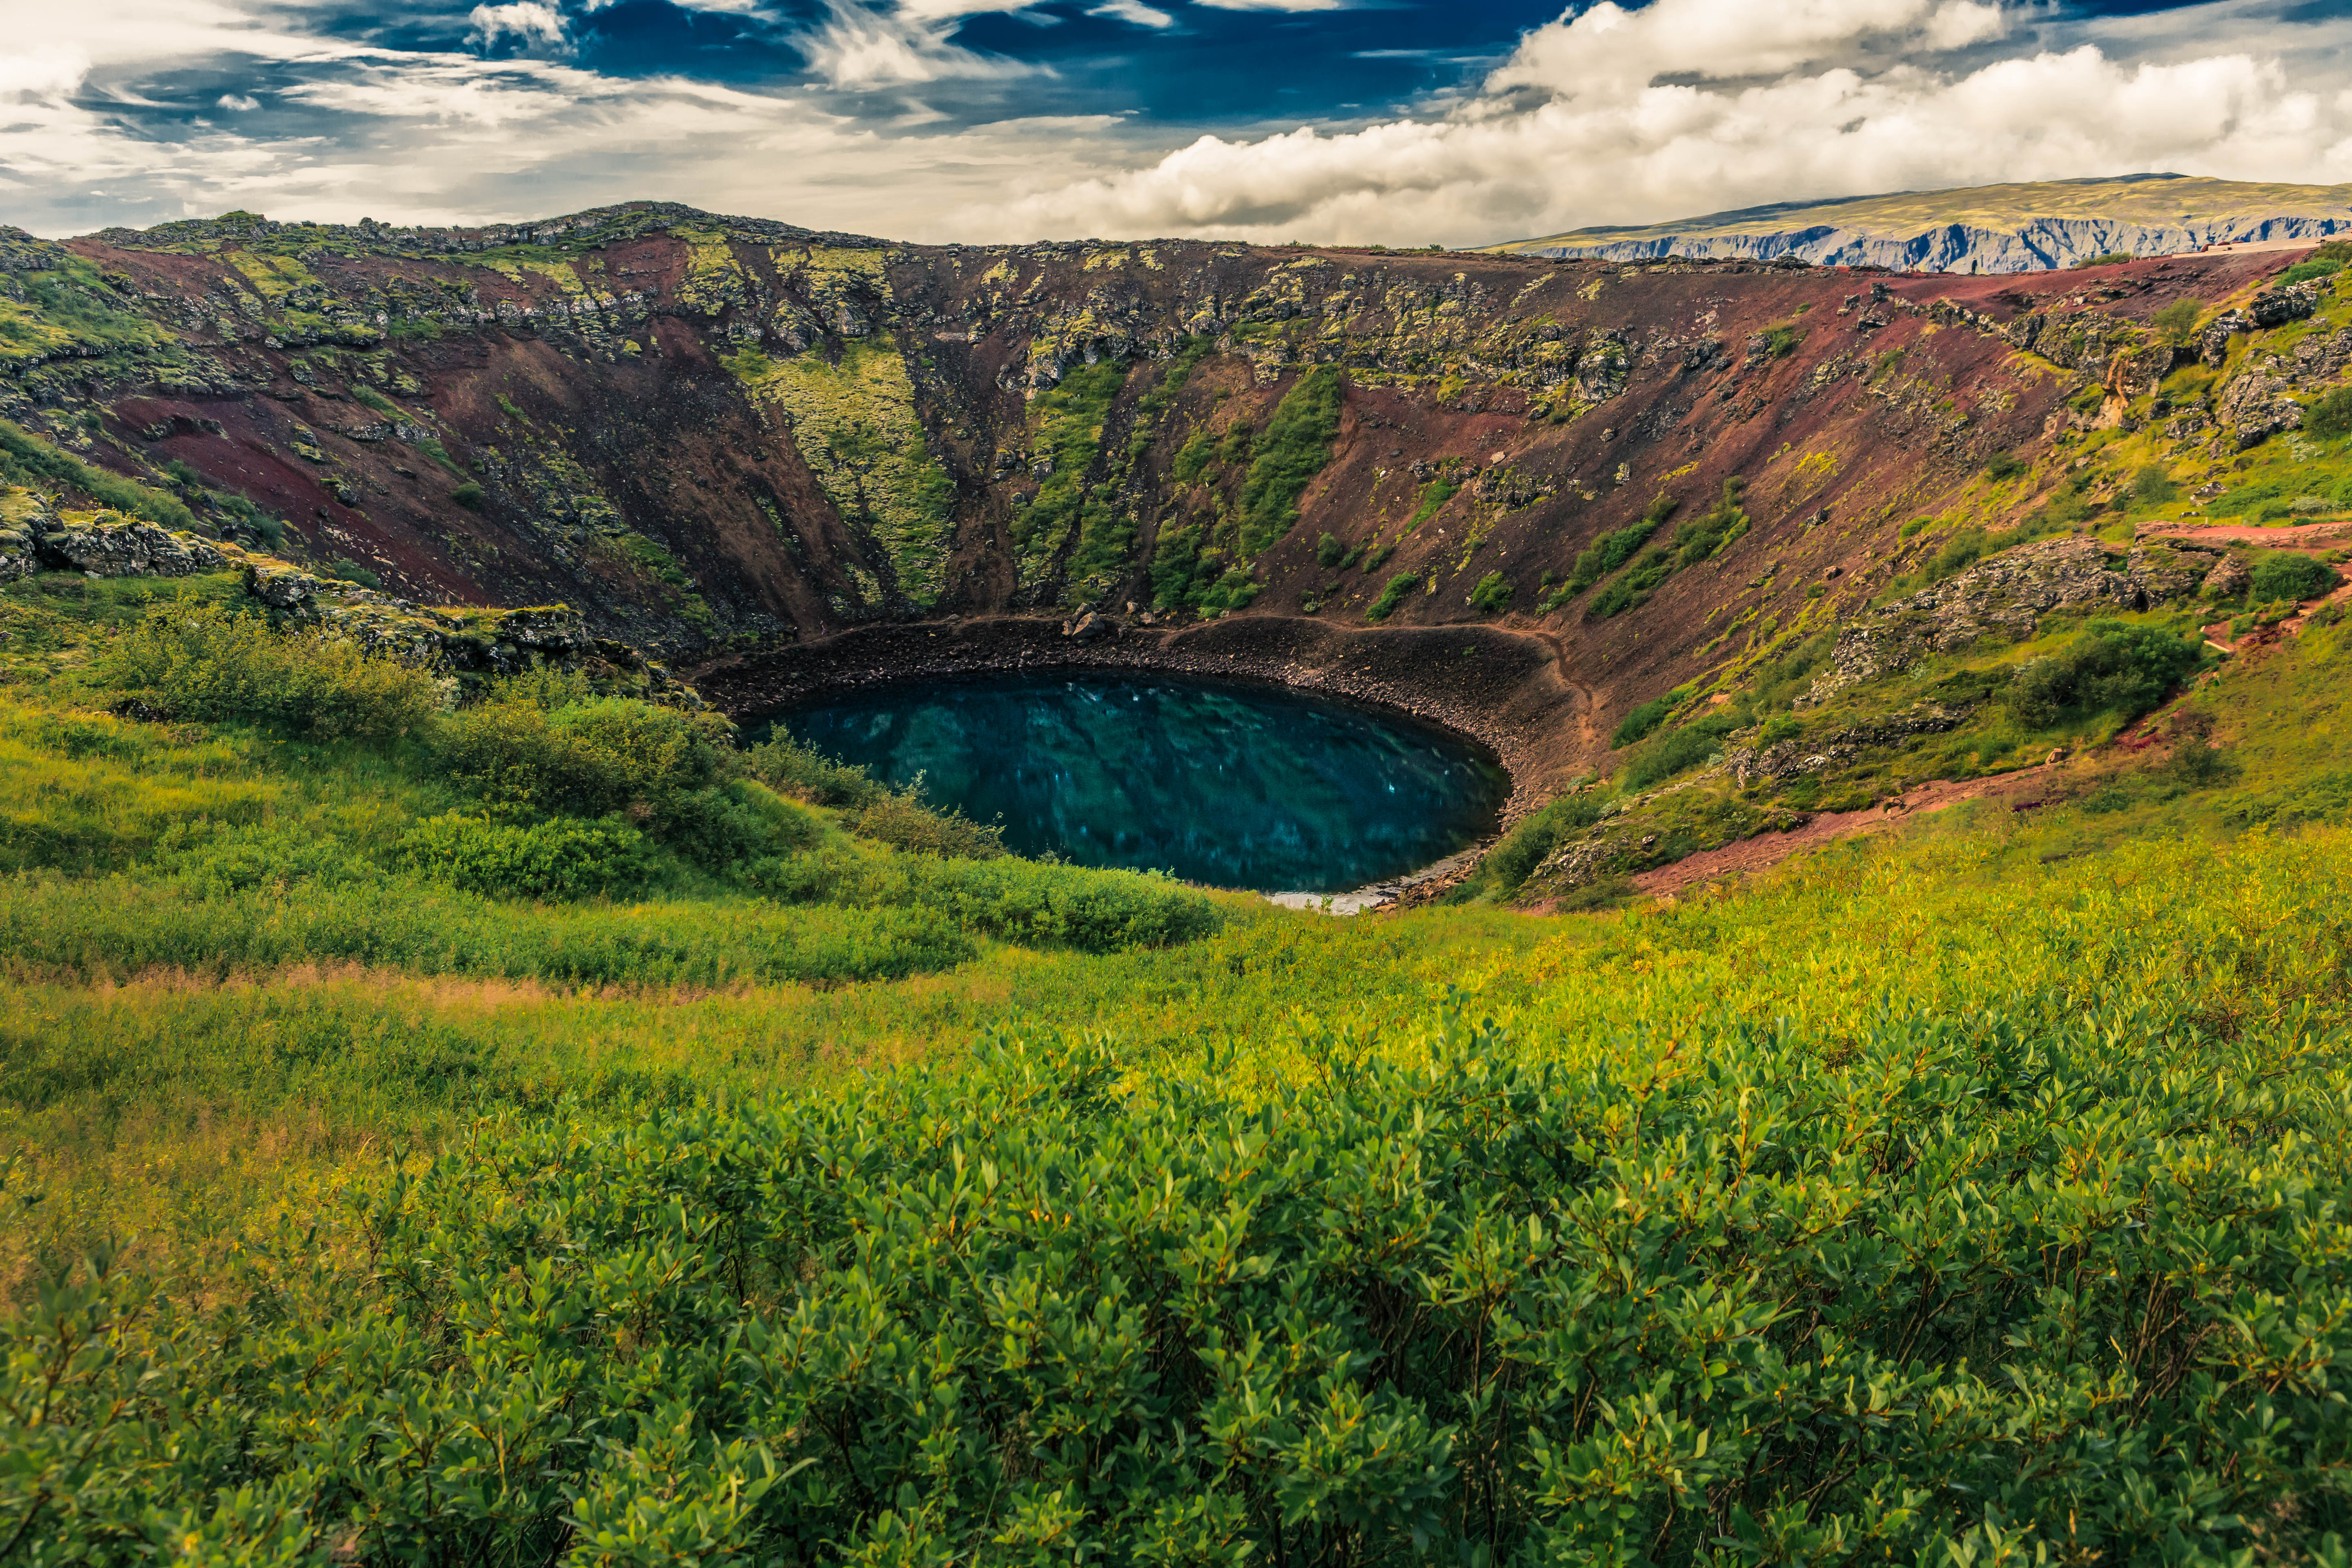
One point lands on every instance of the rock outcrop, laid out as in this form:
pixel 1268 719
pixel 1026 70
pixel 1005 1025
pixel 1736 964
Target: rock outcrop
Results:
pixel 2007 595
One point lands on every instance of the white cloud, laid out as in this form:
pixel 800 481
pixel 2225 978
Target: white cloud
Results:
pixel 1613 115
pixel 238 101
pixel 1134 11
pixel 857 44
pixel 530 23
pixel 1271 4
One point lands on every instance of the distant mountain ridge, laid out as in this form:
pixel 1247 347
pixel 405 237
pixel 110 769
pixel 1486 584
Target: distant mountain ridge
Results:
pixel 2029 227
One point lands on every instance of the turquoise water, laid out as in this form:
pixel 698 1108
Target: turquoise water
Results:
pixel 1240 786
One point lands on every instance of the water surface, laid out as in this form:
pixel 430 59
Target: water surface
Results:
pixel 1240 786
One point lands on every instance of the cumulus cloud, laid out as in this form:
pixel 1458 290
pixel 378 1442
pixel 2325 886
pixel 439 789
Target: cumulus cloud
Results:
pixel 1612 115
pixel 530 23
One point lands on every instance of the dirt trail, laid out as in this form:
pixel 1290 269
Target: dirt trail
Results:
pixel 1767 849
pixel 2327 535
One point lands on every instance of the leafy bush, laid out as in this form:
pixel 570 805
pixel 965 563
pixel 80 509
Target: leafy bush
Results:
pixel 1329 551
pixel 1392 595
pixel 783 763
pixel 2114 666
pixel 1611 550
pixel 2304 271
pixel 1678 752
pixel 1642 578
pixel 350 571
pixel 2285 574
pixel 588 758
pixel 1492 594
pixel 199 662
pixel 2331 415
pixel 2152 486
pixel 903 822
pixel 1296 448
pixel 1092 911
pixel 554 859
pixel 1714 531
pixel 1646 718
pixel 2108 258
pixel 1781 341
pixel 2003 467
pixel 467 495
pixel 1509 864
pixel 1432 500
pixel 2177 322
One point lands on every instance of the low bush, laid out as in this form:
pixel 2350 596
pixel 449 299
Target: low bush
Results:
pixel 1611 550
pixel 2177 322
pixel 2286 574
pixel 2114 666
pixel 2003 466
pixel 586 758
pixel 2330 417
pixel 1509 864
pixel 2152 486
pixel 201 661
pixel 1492 595
pixel 903 821
pixel 553 859
pixel 1678 752
pixel 1296 447
pixel 1638 723
pixel 1392 595
pixel 2306 271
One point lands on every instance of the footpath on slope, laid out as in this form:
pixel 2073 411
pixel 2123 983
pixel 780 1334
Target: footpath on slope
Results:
pixel 1768 849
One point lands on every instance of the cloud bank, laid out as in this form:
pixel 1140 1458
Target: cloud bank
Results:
pixel 139 110
pixel 1610 115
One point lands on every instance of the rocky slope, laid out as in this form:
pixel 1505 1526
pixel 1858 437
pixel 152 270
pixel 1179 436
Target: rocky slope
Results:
pixel 1996 228
pixel 725 440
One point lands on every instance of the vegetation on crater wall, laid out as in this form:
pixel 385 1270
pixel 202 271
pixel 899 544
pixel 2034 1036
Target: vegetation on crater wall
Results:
pixel 857 424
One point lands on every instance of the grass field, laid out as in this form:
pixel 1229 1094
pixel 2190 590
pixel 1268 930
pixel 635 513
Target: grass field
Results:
pixel 1972 1194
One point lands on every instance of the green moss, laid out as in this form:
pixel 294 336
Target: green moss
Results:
pixel 1066 421
pixel 1296 447
pixel 857 425
pixel 1433 497
pixel 25 458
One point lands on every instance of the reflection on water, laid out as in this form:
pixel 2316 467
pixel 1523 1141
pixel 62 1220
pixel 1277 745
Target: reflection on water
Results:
pixel 1240 786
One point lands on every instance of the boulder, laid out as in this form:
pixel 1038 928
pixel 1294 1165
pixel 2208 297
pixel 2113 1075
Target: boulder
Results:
pixel 2257 405
pixel 2227 580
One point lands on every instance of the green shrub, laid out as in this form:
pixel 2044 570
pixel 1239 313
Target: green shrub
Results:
pixel 1612 550
pixel 1492 595
pixel 784 765
pixel 903 821
pixel 198 661
pixel 1781 341
pixel 2003 467
pixel 1329 551
pixel 2177 322
pixel 369 395
pixel 1915 526
pixel 2152 486
pixel 1508 865
pixel 1392 595
pixel 468 495
pixel 1638 723
pixel 1432 500
pixel 2114 666
pixel 1193 457
pixel 1678 752
pixel 553 860
pixel 2285 574
pixel 585 759
pixel 2108 258
pixel 1297 446
pixel 2331 415
pixel 350 571
pixel 1634 588
pixel 2304 271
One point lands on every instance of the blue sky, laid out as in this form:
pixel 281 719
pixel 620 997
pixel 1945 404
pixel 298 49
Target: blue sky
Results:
pixel 1406 121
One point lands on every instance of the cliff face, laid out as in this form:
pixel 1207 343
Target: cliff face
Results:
pixel 714 435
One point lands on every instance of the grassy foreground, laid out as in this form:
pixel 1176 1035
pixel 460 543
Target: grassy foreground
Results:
pixel 1975 1195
